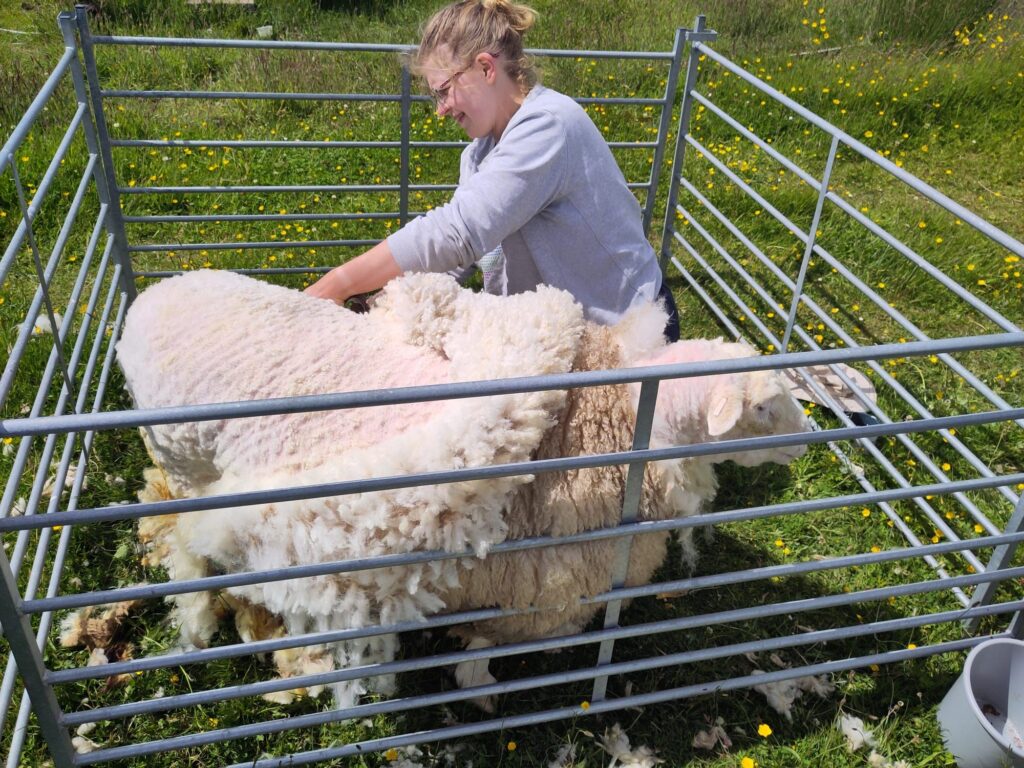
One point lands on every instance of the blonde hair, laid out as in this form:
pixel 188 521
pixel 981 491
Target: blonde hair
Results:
pixel 469 27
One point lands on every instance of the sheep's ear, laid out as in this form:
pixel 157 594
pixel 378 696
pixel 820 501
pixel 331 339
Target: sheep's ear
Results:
pixel 724 410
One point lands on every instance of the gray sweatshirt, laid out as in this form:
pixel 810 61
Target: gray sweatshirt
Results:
pixel 551 195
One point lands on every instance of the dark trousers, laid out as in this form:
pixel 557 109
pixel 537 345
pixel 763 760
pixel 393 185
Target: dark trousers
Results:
pixel 672 326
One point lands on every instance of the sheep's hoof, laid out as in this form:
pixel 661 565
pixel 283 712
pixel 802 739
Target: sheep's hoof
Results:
pixel 470 674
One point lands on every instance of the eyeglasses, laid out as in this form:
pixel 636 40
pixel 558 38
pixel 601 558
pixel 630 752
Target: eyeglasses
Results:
pixel 440 94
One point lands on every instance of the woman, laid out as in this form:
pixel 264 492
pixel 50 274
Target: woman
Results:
pixel 538 183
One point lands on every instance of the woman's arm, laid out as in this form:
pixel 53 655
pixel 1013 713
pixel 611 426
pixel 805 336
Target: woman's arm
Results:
pixel 366 272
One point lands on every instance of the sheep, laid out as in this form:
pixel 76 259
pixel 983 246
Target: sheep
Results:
pixel 551 581
pixel 424 329
pixel 238 340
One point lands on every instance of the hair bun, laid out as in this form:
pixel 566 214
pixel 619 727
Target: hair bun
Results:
pixel 519 17
pixel 466 28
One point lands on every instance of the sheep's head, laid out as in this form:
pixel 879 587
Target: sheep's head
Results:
pixel 725 406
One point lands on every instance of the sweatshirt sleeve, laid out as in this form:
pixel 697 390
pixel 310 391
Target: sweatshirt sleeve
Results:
pixel 519 177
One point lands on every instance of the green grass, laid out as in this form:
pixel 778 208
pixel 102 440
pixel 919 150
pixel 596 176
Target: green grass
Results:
pixel 897 76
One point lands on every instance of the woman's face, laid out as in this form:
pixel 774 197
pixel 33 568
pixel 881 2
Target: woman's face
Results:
pixel 465 93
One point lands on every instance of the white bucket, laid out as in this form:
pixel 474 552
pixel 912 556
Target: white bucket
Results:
pixel 982 716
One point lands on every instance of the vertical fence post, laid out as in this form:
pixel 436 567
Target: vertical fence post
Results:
pixel 66 22
pixel 403 193
pixel 665 122
pixel 1001 558
pixel 630 510
pixel 812 235
pixel 115 219
pixel 693 36
pixel 22 641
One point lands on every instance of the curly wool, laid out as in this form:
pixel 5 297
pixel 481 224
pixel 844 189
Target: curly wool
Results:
pixel 553 579
pixel 433 327
pixel 249 340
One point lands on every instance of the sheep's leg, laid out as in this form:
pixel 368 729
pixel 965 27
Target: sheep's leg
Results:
pixel 469 674
pixel 195 614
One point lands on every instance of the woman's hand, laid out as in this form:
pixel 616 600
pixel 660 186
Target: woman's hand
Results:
pixel 366 272
pixel 331 286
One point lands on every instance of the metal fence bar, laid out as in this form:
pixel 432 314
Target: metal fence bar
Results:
pixel 242 188
pixel 20 638
pixel 993 233
pixel 18 348
pixel 630 511
pixel 692 67
pixel 150 591
pixel 25 124
pixel 692 583
pixel 329 144
pixel 249 245
pixel 41 391
pixel 842 269
pixel 826 318
pixel 664 125
pixel 65 533
pixel 199 698
pixel 39 197
pixel 611 705
pixel 867 445
pixel 259 144
pixel 560 678
pixel 696 287
pixel 893 516
pixel 979 386
pixel 883 461
pixel 254 271
pixel 43 467
pixel 213 217
pixel 426 393
pixel 58 339
pixel 812 235
pixel 249 95
pixel 1016 628
pixel 403 161
pixel 183 42
pixel 300 96
pixel 267 727
pixel 294 493
pixel 209 42
pixel 1000 559
pixel 106 183
pixel 756 140
pixel 689 584
pixel 20 729
pixel 19 235
pixel 921 263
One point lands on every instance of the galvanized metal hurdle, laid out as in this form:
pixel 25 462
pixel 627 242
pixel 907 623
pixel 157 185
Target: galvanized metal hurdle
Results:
pixel 729 274
pixel 83 377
